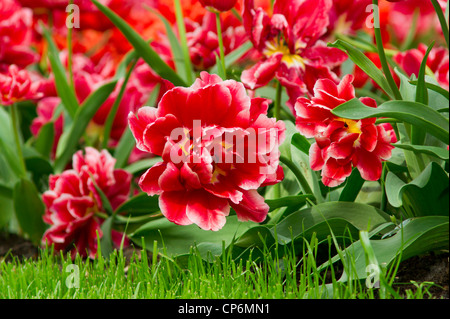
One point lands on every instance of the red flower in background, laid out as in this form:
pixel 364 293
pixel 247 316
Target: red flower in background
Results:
pixel 15 35
pixel 203 42
pixel 291 44
pixel 437 61
pixel 342 143
pixel 348 16
pixel 17 86
pixel 218 5
pixel 72 201
pixel 45 110
pixel 195 181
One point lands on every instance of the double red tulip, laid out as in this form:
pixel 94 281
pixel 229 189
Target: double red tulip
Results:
pixel 342 143
pixel 217 145
pixel 73 201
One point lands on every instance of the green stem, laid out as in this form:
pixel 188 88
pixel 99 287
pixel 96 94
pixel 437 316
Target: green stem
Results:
pixel 442 19
pixel 17 139
pixel 277 105
pixel 298 174
pixel 221 49
pixel 382 54
pixel 183 40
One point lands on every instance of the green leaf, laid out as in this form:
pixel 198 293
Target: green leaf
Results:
pixel 106 242
pixel 178 240
pixel 365 64
pixel 45 139
pixel 419 236
pixel 411 112
pixel 142 165
pixel 220 70
pixel 418 134
pixel 124 148
pixel 177 50
pixel 341 217
pixel 139 204
pixel 70 139
pixel 65 91
pixel 422 92
pixel 298 200
pixel 234 56
pixel 184 45
pixel 9 152
pixel 426 195
pixel 6 205
pixel 301 143
pixel 141 46
pixel 438 152
pixel 352 187
pixel 29 209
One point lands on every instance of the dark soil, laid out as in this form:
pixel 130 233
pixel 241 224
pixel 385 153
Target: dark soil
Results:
pixel 12 245
pixel 427 268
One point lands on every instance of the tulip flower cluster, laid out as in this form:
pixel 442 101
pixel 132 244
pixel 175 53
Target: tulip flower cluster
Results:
pixel 196 117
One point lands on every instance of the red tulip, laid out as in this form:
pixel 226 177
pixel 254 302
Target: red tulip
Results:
pixel 218 5
pixel 17 86
pixel 342 143
pixel 291 45
pixel 16 25
pixel 73 201
pixel 217 145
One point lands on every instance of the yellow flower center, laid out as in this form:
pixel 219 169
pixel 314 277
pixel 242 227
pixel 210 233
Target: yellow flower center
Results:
pixel 277 47
pixel 217 171
pixel 351 125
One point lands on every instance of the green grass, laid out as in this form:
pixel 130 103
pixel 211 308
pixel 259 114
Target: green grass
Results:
pixel 289 277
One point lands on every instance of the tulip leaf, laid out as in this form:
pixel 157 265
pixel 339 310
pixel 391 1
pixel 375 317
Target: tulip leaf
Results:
pixel 124 148
pixel 29 209
pixel 141 46
pixel 70 139
pixel 340 217
pixel 233 56
pixel 352 187
pixel 177 50
pixel 365 64
pixel 428 194
pixel 411 112
pixel 301 143
pixel 65 91
pixel 142 165
pixel 45 139
pixel 298 200
pixel 418 236
pixel 6 144
pixel 418 134
pixel 106 243
pixel 438 152
pixel 178 240
pixel 139 205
